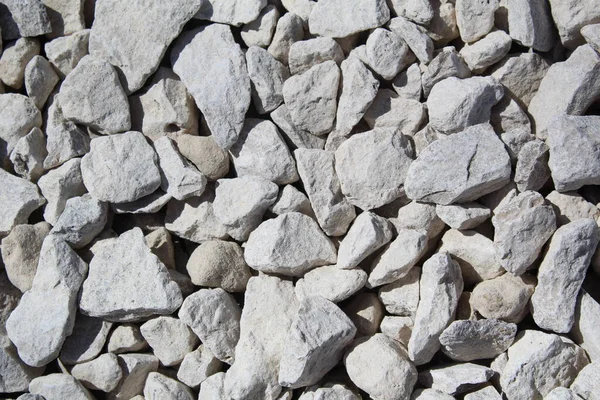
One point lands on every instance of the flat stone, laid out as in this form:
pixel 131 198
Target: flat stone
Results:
pixel 58 386
pixel 268 76
pixel 539 362
pixel 129 268
pixel 259 32
pixel 358 90
pixel 505 297
pixel 16 375
pixel 366 311
pixel 522 226
pixel 317 340
pixel 337 19
pixel 59 185
pixel 40 79
pixel 236 12
pixel 468 340
pixel 415 36
pixel 397 258
pixel 263 338
pixel 31 16
pixel 419 216
pixel 389 110
pixel 318 175
pixel 81 221
pixel 397 328
pixel 368 233
pixel 161 387
pixel 380 366
pixel 587 315
pixel 442 174
pixel 447 63
pixel 331 282
pixel 21 253
pixel 569 18
pixel 586 384
pixel 532 170
pixel 408 83
pixel 87 340
pixel 220 84
pixel 217 263
pixel 126 338
pixel 401 297
pixel 521 75
pixel 120 168
pixel 474 253
pixel 456 378
pixel 214 316
pixel 15 57
pixel 530 24
pixel 335 390
pixel 289 30
pixel 305 54
pixel 28 155
pixel 66 52
pixel 150 204
pixel 440 286
pixel 135 369
pixel 463 216
pixel 311 97
pixel 19 117
pixel 166 108
pixel 455 104
pixel 486 51
pixel 197 366
pixel 568 87
pixel 170 339
pixel 561 274
pixel 66 17
pixel 363 164
pixel 205 154
pixel 102 373
pixel 136 52
pixel 291 199
pixel 475 19
pixel 92 95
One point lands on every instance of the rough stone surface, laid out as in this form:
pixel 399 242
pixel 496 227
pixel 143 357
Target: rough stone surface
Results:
pixel 532 170
pixel 205 154
pixel 387 53
pixel 591 34
pixel 66 16
pixel 401 297
pixel 444 175
pixel 587 315
pixel 126 338
pixel 415 36
pixel 475 18
pixel 367 234
pixel 57 386
pixel 179 178
pixel 19 117
pixel 236 12
pixel 197 366
pixel 66 52
pixel 389 110
pixel 289 30
pixel 135 369
pixel 291 199
pixel 505 297
pixel 170 339
pixel 447 63
pixel 366 312
pixel 305 54
pixel 81 221
pixel 59 185
pixel 259 32
pixel 570 17
pixel 295 137
pixel 456 378
pixel 530 24
pixel 441 285
pixel 268 76
pixel 331 282
pixel 586 384
pixel 335 390
pixel 102 373
pixel 15 57
pixel 418 216
pixel 486 51
pixel 336 18
pixel 87 340
pixel 28 155
pixel 220 84
pixel 40 79
pixel 408 83
pixel 468 340
pixel 159 387
pixel 463 216
pixel 16 375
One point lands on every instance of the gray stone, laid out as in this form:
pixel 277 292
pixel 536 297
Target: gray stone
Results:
pixel 17 203
pixel 179 178
pixel 415 36
pixel 305 54
pixel 570 206
pixel 212 387
pixel 66 52
pixel 441 285
pixel 366 312
pixel 220 84
pixel 302 8
pixel 387 53
pixel 514 139
pixel 236 12
pixel 102 373
pixel 291 199
pixel 372 167
pixel 505 297
pixel 486 51
pixel 150 204
pixel 81 221
pixel 397 328
pixel 430 394
pixel 136 52
pixel 591 34
pixel 522 225
pixel 408 83
pixel 569 17
pixel 447 63
pixel 126 282
pixel 331 282
pixel 197 366
pixel 475 18
pixel 259 32
pixel 418 216
pixel 311 97
pixel 170 339
pixel 532 170
pixel 59 185
pixel 126 338
pixel 66 16
pixel 587 316
pixel 521 75
pixel 92 95
pixel 562 393
pixel 368 233
pixel 316 342
pixel 28 155
pixel 16 375
pixel 401 297
pixel 318 175
pixel 455 104
pixel 205 154
pixel 586 384
pixel 463 216
pixel 19 117
pixel 120 168
pixel 530 24
pixel 31 16
pixel 561 274
pixel 290 29
pixel 15 57
pixel 161 387
pixel 487 393
pixel 389 110
pixel 539 362
pixel 135 369
pixel 334 390
pixel 295 137
pixel 420 11
pixel 508 117
pixel 59 386
pixel 380 366
pixel 40 79
pixel 214 316
pixel 337 19
pixel 87 340
pixel 267 76
pixel 456 378
pixel 160 243
pixel 468 340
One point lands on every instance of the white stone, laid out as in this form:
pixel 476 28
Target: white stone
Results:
pixel 59 386
pixel 18 202
pixel 521 75
pixel 441 285
pixel 419 11
pixel 447 63
pixel 170 339
pixel 291 199
pixel 161 387
pixel 419 216
pixel 338 19
pixel 40 79
pixel 86 341
pixel 586 384
pixel 213 387
pixel 81 221
pixel 305 54
pixel 267 76
pixel 102 373
pixel 532 170
pixel 28 155
pixel 66 16
pixel 468 340
pixel 220 84
pixel 486 51
pixel 15 57
pixel 66 52
pixel 505 297
pixel 569 17
pixel 197 366
pixel 401 297
pixel 366 311
pixel 135 369
pixel 290 29
pixel 475 18
pixel 562 393
pixel 16 375
pixel 367 234
pixel 463 216
pixel 150 204
pixel 126 338
pixel 408 83
pixel 295 137
pixel 397 328
pixel 389 110
pixel 430 394
pixel 587 316
pixel 415 36
pixel 259 32
pixel 387 53
pixel 59 185
pixel 331 282
pixel 455 378
pixel 19 117
pixel 333 390
pixel 235 12
pixel 591 34
pixel 205 154
pixel 31 17
pixel 530 24
pixel 487 393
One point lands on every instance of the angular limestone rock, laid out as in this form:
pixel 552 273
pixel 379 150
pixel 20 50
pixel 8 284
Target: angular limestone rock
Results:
pixel 66 52
pixel 305 54
pixel 220 84
pixel 539 362
pixel 136 53
pixel 40 79
pixel 120 168
pixel 337 390
pixel 59 185
pixel 486 51
pixel 468 340
pixel 418 216
pixel 102 373
pixel 135 368
pixel 505 297
pixel 591 34
pixel 290 29
pixel 570 17
pixel 56 386
pixel 18 200
pixel 415 36
pixel 126 338
pixel 92 95
pixel 530 24
pixel 366 312
pixel 380 366
pixel 30 16
pixel 234 12
pixel 205 154
pixel 447 63
pixel 463 216
pixel 214 316
pixel 126 282
pixel 15 57
pixel 561 274
pixel 267 76
pixel 397 328
pixel 475 18
pixel 401 297
pixel 16 375
pixel 387 53
pixel 81 221
pixel 295 137
pixel 522 226
pixel 28 155
pixel 159 387
pixel 86 341
pixel 66 16
pixel 331 282
pixel 316 342
pixel 197 366
pixel 586 384
pixel 368 233
pixel 170 339
pixel 291 199
pixel 19 117
pixel 441 285
pixel 532 170
pixel 337 19
pixel 587 316
pixel 372 167
pixel 521 75
pixel 260 31
pixel 389 110
pixel 456 378
pixel 443 174
pixel 408 83
pixel 318 175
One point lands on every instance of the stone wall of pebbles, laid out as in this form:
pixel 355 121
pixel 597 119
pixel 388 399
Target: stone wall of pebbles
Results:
pixel 299 199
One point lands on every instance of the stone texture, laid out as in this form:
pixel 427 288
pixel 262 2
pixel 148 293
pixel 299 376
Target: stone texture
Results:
pixel 397 328
pixel 30 16
pixel 259 32
pixel 66 16
pixel 441 285
pixel 87 340
pixel 236 12
pixel 40 79
pixel 587 315
pixel 487 393
pixel 81 221
pixel 364 165
pixel 197 366
pixel 530 24
pixel 66 52
pixel 368 233
pixel 205 154
pixel 561 274
pixel 591 34
pixel 486 51
pixel 444 175
pixel 289 30
pixel 179 178
pixel 366 312
pixel 19 117
pixel 291 199
pixel 220 84
pixel 586 384
pixel 532 170
pixel 420 11
pixel 160 243
pixel 415 36
pixel 456 378
pixel 170 339
pixel 16 375
pixel 59 386
pixel 401 297
pixel 126 338
pixel 389 110
pixel 267 76
pixel 387 53
pixel 521 75
pixel 15 57
pixel 136 368
pixel 126 282
pixel 305 54
pixel 295 138
pixel 102 373
pixel 17 203
pixel 569 17
pixel 418 216
pixel 335 390
pixel 161 387
pixel 408 83
pixel 463 216
pixel 59 185
pixel 505 297
pixel 447 63
pixel 475 18
pixel 468 340
pixel 331 282
pixel 28 155
pixel 336 18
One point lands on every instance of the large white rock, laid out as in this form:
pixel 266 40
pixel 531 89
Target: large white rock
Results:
pixel 161 387
pixel 232 12
pixel 120 168
pixel 59 185
pixel 220 83
pixel 561 274
pixel 418 216
pixel 335 390
pixel 521 75
pixel 81 221
pixel 475 18
pixel 486 51
pixel 505 297
pixel 387 53
pixel 331 282
pixel 16 375
pixel 126 282
pixel 259 32
pixel 305 54
pixel 367 234
pixel 401 297
pixel 19 117
pixel 441 285
pixel 267 75
pixel 530 24
pixel 15 57
pixel 463 216
pixel 415 36
pixel 170 339
pixel 569 17
pixel 40 79
pixel 18 200
pixel 290 29
pixel 389 110
pixel 317 340
pixel 28 155
pixel 587 384
pixel 447 63
pixel 197 366
pixel 380 366
pixel 66 52
pixel 337 18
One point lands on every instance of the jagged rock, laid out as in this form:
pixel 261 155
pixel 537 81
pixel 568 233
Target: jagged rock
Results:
pixel 126 338
pixel 291 199
pixel 532 170
pixel 475 18
pixel 408 83
pixel 389 110
pixel 178 178
pixel 397 328
pixel 586 384
pixel 205 154
pixel 366 312
pixel 305 54
pixel 259 32
pixel 197 366
pixel 420 11
pixel 135 369
pixel 468 340
pixel 28 155
pixel 418 216
pixel 66 52
pixel 486 51
pixel 530 24
pixel 16 375
pixel 81 221
pixel 368 233
pixel 569 17
pixel 337 390
pixel 591 34
pixel 587 315
pixel 401 297
pixel 102 373
pixel 521 75
pixel 170 339
pixel 59 386
pixel 337 19
pixel 17 203
pixel 415 36
pixel 331 282
pixel 268 76
pixel 289 30
pixel 66 17
pixel 447 63
pixel 14 59
pixel 19 117
pixel 87 340
pixel 161 387
pixel 40 79
pixel 456 378
pixel 236 12
pixel 463 216
pixel 505 297
pixel 387 53
pixel 562 393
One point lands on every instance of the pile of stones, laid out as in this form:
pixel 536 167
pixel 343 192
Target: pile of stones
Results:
pixel 299 199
